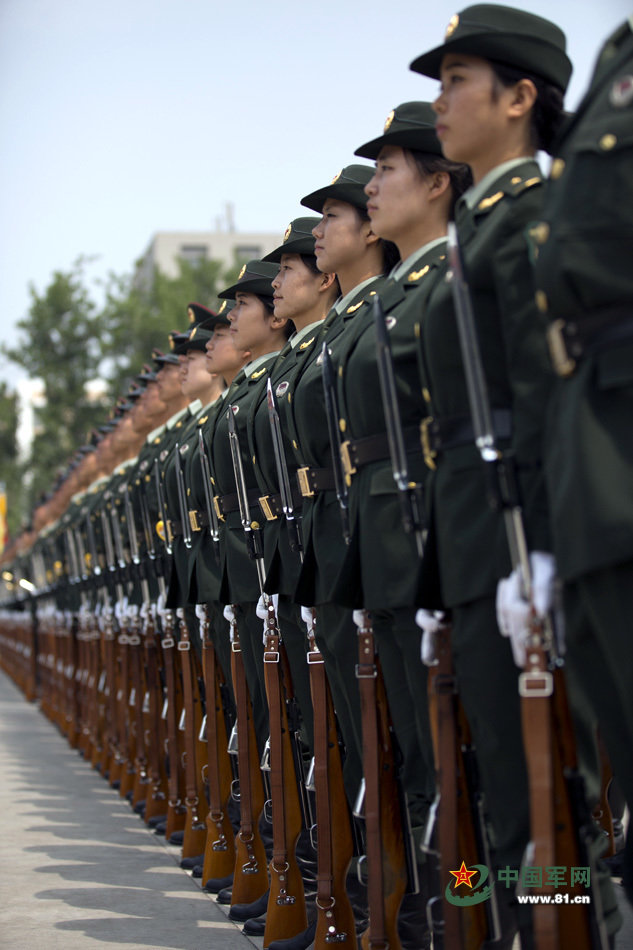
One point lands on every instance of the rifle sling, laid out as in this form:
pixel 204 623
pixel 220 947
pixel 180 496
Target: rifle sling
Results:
pixel 367 674
pixel 172 723
pixel 319 692
pixel 191 787
pixel 274 691
pixel 209 660
pixel 243 764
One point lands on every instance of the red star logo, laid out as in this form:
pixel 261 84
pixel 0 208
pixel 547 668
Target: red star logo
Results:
pixel 462 876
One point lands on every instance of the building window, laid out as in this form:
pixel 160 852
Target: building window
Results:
pixel 193 252
pixel 247 252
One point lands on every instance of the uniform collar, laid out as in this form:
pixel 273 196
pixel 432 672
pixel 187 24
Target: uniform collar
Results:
pixel 343 302
pixel 253 366
pixel 175 419
pixel 475 193
pixel 297 337
pixel 403 267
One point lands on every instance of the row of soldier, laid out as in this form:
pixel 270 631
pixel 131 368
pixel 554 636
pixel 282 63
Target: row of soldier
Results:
pixel 351 451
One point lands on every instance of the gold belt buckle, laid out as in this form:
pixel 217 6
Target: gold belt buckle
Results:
pixel 348 467
pixel 429 454
pixel 216 505
pixel 563 363
pixel 304 482
pixel 193 520
pixel 264 504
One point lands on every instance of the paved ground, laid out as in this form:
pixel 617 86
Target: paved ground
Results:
pixel 80 871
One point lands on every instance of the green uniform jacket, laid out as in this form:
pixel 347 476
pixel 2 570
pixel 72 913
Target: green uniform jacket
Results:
pixel 305 419
pixel 584 266
pixel 466 547
pixel 382 566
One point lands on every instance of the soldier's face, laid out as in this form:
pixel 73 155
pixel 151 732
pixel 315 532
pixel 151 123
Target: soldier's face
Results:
pixel 473 117
pixel 196 375
pixel 222 355
pixel 340 236
pixel 296 287
pixel 397 196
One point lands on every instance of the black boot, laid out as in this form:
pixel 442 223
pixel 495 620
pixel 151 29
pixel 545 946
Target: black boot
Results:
pixel 244 911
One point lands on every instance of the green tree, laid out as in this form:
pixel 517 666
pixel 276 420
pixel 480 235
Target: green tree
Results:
pixel 138 319
pixel 11 473
pixel 59 342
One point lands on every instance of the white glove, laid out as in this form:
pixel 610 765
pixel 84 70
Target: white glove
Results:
pixel 430 622
pixel 308 617
pixel 513 610
pixel 120 609
pixel 359 618
pixel 160 606
pixel 262 611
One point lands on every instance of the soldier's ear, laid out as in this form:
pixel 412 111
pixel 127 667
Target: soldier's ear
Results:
pixel 326 281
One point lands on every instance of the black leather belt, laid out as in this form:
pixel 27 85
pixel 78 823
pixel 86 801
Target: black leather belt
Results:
pixel 438 435
pixel 311 481
pixel 272 505
pixel 373 448
pixel 570 340
pixel 225 504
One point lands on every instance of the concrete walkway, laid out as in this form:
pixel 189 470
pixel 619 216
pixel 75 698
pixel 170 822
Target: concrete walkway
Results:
pixel 80 871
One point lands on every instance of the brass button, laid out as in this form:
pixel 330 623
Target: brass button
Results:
pixel 540 232
pixel 608 141
pixel 541 300
pixel 558 166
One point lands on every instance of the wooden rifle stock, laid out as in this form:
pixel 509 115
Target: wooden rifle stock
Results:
pixel 155 803
pixel 559 816
pixel 286 912
pixel 219 853
pixel 176 810
pixel 335 842
pixel 384 829
pixel 195 802
pixel 250 878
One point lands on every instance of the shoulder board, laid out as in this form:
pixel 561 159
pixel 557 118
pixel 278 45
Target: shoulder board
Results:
pixel 306 343
pixel 258 373
pixel 418 274
pixel 486 203
pixel 355 307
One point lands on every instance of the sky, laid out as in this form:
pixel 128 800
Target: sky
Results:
pixel 124 118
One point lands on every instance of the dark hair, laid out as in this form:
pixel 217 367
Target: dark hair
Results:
pixel 459 174
pixel 547 113
pixel 310 262
pixel 269 308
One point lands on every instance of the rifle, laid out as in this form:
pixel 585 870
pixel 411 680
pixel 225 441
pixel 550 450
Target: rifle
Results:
pixel 155 735
pixel 410 493
pixel 219 853
pixel 335 841
pixel 207 482
pixel 294 526
pixel 195 830
pixel 286 913
pixel 456 829
pixel 554 781
pixel 115 738
pixel 384 825
pixel 331 411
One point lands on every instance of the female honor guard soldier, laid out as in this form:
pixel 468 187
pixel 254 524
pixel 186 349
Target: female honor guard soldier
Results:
pixel 410 199
pixel 503 73
pixel 585 289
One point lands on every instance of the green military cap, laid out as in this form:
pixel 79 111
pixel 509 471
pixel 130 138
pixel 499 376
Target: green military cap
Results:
pixel 147 375
pixel 195 339
pixel 410 125
pixel 161 358
pixel 298 239
pixel 256 277
pixel 348 185
pixel 507 36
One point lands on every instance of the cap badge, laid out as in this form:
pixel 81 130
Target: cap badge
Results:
pixel 287 233
pixel 223 307
pixel 453 23
pixel 172 343
pixel 336 177
pixel 191 315
pixel 389 120
pixel 242 272
pixel 193 333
